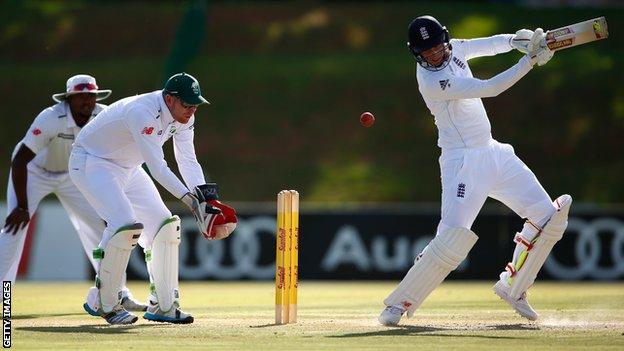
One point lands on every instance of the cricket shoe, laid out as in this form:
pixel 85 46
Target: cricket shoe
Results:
pixel 174 315
pixel 128 302
pixel 391 315
pixel 521 305
pixel 119 315
pixel 131 304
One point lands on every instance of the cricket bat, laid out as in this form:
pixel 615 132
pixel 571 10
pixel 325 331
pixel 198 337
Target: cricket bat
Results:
pixel 577 34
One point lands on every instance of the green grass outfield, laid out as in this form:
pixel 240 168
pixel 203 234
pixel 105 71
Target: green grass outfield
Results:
pixel 332 316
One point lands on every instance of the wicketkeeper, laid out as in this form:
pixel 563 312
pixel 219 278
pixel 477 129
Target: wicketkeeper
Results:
pixel 105 165
pixel 474 166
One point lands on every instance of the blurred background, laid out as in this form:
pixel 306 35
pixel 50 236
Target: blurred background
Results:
pixel 287 82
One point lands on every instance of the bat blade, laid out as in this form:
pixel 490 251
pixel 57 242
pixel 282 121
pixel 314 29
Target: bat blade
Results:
pixel 577 34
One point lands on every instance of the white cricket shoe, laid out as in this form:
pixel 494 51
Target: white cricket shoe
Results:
pixel 521 305
pixel 130 304
pixel 391 315
pixel 174 315
pixel 119 316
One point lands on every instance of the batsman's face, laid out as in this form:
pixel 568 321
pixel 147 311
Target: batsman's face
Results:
pixel 436 55
pixel 82 104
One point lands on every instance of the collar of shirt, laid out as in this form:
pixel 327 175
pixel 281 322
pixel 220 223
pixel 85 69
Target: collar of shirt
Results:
pixel 70 118
pixel 165 114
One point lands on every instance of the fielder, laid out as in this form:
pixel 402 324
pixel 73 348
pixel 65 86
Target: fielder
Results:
pixel 105 164
pixel 474 166
pixel 39 168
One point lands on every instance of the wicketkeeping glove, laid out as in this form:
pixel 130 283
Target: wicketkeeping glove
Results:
pixel 215 220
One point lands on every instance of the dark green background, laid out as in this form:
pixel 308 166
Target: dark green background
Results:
pixel 288 81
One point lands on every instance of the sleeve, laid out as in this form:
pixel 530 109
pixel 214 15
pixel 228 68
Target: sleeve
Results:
pixel 40 133
pixel 184 151
pixel 149 146
pixel 489 46
pixel 442 87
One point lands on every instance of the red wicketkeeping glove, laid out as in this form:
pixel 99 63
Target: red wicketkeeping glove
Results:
pixel 224 223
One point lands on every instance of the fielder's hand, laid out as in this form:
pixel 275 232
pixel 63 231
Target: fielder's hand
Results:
pixel 203 213
pixel 218 220
pixel 522 40
pixel 224 223
pixel 538 50
pixel 16 220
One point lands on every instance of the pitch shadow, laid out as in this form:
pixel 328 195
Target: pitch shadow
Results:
pixel 518 326
pixel 87 328
pixel 43 315
pixel 415 330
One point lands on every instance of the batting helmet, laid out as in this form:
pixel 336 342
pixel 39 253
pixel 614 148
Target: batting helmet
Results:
pixel 424 33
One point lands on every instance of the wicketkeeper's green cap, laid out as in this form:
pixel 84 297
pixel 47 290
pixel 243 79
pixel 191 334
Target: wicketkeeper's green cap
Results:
pixel 185 87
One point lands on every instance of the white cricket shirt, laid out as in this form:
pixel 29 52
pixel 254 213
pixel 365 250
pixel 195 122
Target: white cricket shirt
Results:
pixel 51 136
pixel 453 95
pixel 133 130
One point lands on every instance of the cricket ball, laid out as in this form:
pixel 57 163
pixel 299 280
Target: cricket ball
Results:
pixel 367 119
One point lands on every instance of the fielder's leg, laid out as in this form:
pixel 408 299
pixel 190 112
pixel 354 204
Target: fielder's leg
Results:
pixel 443 254
pixel 113 262
pixel 90 227
pixel 162 263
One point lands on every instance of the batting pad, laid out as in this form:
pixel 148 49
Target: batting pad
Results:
pixel 543 244
pixel 443 254
pixel 114 260
pixel 163 264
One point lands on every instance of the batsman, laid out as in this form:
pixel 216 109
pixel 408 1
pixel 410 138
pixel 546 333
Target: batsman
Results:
pixel 475 166
pixel 105 164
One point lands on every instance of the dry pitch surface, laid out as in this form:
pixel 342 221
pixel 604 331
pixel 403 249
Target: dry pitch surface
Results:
pixel 332 316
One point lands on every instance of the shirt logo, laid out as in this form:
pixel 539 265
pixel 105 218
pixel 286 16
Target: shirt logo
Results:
pixel 147 130
pixel 423 33
pixel 459 63
pixel 65 136
pixel 37 131
pixel 461 190
pixel 444 84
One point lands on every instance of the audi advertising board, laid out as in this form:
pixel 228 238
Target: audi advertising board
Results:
pixel 381 243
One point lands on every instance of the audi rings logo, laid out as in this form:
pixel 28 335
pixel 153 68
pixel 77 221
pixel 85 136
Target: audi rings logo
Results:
pixel 239 257
pixel 588 250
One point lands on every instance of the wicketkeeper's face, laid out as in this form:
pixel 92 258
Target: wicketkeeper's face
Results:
pixel 180 111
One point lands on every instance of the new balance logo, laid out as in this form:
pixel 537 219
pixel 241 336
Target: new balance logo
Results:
pixel 461 190
pixel 444 84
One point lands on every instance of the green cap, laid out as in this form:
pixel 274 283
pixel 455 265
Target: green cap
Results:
pixel 185 87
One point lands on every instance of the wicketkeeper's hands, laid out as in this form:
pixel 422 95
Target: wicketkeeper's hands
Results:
pixel 522 40
pixel 215 220
pixel 538 50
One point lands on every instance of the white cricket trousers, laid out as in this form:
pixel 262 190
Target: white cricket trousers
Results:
pixel 469 176
pixel 121 196
pixel 41 183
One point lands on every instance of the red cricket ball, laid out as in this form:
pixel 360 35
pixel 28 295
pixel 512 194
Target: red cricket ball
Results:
pixel 367 119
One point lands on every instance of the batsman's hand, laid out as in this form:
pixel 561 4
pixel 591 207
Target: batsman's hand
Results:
pixel 522 40
pixel 539 52
pixel 204 214
pixel 16 220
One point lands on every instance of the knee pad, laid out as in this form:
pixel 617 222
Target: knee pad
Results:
pixel 162 261
pixel 443 254
pixel 522 273
pixel 113 262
